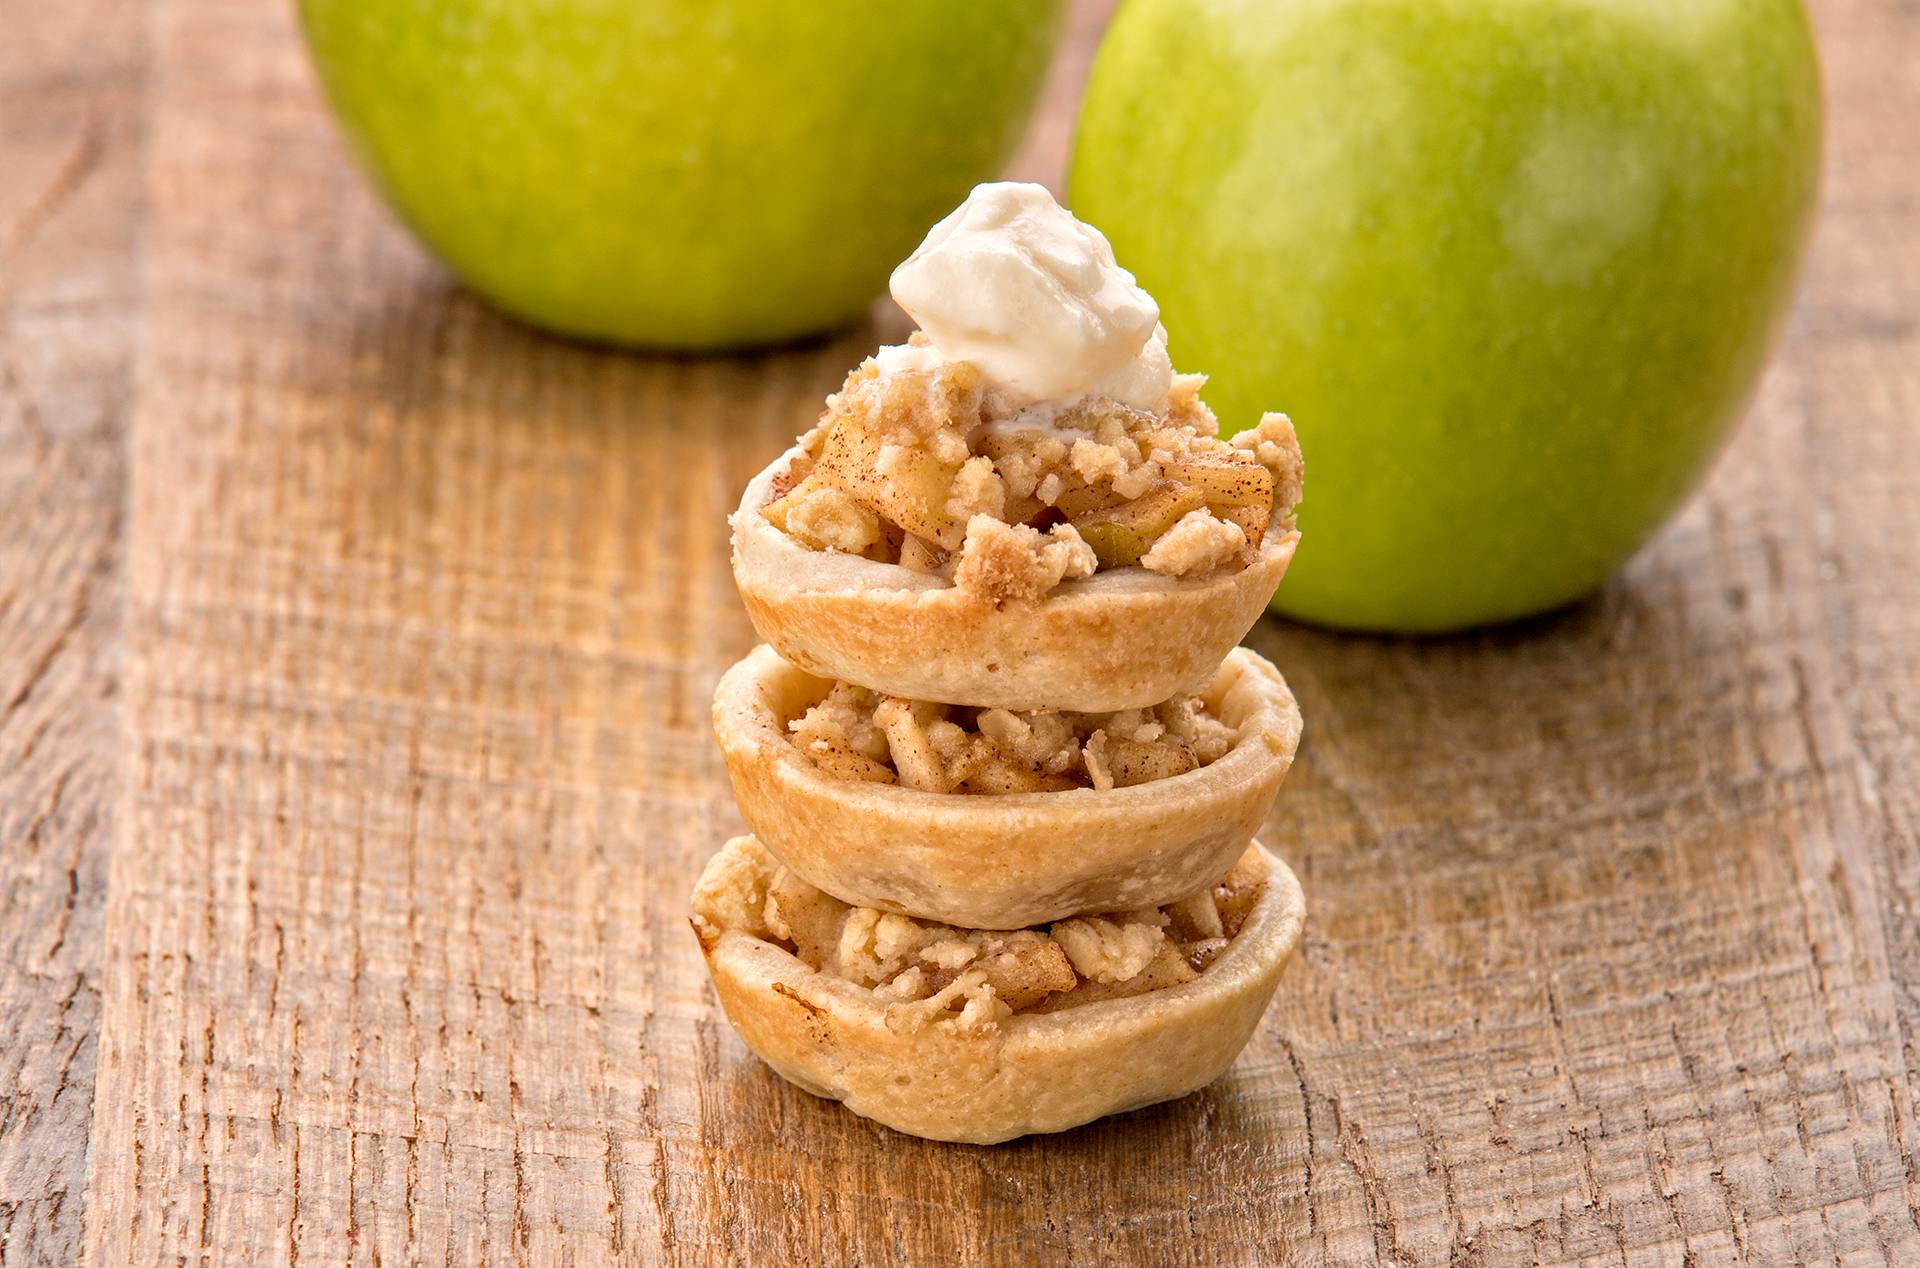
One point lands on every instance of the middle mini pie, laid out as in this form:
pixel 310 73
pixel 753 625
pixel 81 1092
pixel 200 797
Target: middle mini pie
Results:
pixel 1015 859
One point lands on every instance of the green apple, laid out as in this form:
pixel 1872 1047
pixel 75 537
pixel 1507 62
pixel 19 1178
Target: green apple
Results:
pixel 1513 266
pixel 685 174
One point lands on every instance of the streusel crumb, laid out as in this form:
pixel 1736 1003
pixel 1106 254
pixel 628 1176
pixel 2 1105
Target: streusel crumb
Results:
pixel 975 978
pixel 935 470
pixel 859 734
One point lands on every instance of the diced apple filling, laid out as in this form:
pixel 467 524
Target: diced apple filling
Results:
pixel 926 972
pixel 934 470
pixel 855 733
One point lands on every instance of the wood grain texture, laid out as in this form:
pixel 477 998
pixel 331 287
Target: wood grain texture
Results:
pixel 1614 955
pixel 70 96
pixel 1046 149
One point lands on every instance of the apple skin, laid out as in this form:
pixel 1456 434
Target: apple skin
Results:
pixel 1512 266
pixel 679 174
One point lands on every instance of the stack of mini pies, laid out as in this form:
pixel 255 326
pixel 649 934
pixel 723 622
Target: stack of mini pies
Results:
pixel 1121 639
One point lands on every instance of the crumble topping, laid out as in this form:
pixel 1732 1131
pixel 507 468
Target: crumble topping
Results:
pixel 856 733
pixel 926 464
pixel 973 979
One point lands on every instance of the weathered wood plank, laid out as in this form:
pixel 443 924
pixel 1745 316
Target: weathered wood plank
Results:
pixel 71 77
pixel 1613 956
pixel 1048 145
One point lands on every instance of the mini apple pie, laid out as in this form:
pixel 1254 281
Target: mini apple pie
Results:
pixel 1023 506
pixel 1090 640
pixel 881 813
pixel 980 1036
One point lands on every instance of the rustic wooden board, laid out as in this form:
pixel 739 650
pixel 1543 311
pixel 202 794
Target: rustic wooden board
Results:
pixel 1615 949
pixel 71 77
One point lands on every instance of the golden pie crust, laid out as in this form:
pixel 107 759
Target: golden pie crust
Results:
pixel 1033 1072
pixel 1125 638
pixel 1006 862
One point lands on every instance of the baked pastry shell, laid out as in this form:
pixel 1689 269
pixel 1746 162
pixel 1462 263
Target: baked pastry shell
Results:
pixel 1003 862
pixel 1041 1072
pixel 1125 638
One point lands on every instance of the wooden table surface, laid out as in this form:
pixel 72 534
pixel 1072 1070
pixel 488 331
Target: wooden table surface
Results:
pixel 355 648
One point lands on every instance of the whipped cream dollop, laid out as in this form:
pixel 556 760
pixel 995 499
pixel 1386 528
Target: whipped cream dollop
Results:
pixel 1014 284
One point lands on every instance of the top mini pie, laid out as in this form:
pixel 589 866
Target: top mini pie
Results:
pixel 1007 515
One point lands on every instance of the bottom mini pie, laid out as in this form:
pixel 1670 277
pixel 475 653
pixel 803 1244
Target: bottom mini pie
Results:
pixel 982 1036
